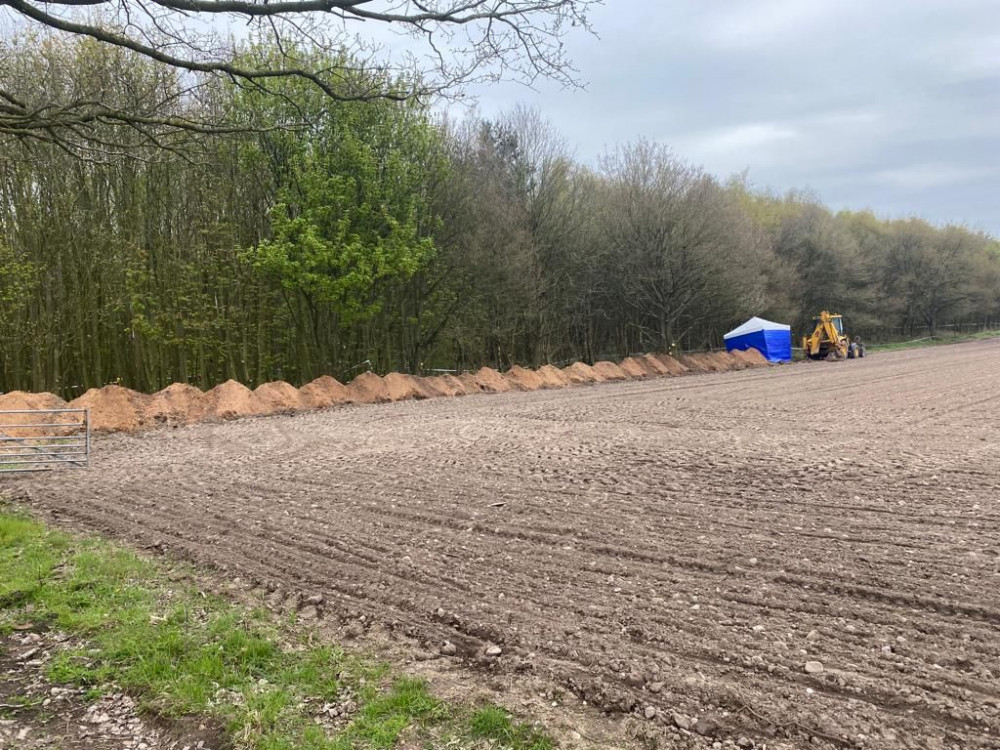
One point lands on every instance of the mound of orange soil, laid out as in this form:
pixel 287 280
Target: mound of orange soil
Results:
pixel 610 371
pixel 734 361
pixel 402 387
pixel 718 361
pixel 694 363
pixel 552 377
pixel 368 388
pixel 278 398
pixel 653 365
pixel 729 362
pixel 430 388
pixel 634 368
pixel 470 383
pixel 113 408
pixel 714 362
pixel 745 360
pixel 178 403
pixel 752 358
pixel 230 400
pixel 324 391
pixel 456 384
pixel 446 385
pixel 737 356
pixel 117 409
pixel 492 381
pixel 673 366
pixel 523 379
pixel 580 373
pixel 21 401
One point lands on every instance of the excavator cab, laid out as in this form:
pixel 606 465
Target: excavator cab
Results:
pixel 828 340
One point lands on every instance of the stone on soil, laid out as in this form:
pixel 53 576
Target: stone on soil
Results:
pixel 682 721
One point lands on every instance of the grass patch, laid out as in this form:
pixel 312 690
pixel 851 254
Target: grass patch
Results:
pixel 493 724
pixel 182 653
pixel 938 340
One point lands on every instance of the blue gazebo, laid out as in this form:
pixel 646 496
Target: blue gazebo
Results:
pixel 773 340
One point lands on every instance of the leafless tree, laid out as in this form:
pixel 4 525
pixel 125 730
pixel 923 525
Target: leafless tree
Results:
pixel 345 49
pixel 686 251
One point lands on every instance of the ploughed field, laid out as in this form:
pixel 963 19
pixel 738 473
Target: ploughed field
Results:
pixel 678 549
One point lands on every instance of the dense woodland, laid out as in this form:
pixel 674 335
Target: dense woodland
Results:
pixel 389 236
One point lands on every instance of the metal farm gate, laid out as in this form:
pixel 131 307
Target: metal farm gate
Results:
pixel 44 439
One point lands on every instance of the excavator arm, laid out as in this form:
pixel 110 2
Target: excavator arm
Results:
pixel 827 338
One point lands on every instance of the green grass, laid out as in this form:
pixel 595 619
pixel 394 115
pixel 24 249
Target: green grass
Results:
pixel 938 340
pixel 496 725
pixel 182 653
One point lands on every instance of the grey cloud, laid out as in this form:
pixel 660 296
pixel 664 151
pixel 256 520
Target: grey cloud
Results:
pixel 891 106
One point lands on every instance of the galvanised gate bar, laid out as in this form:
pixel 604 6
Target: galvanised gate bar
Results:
pixel 44 439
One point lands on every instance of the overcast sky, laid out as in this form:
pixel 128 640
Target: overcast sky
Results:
pixel 892 105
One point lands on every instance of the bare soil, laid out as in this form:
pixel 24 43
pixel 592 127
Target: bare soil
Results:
pixel 553 377
pixel 453 385
pixel 634 368
pixel 368 388
pixel 523 379
pixel 609 371
pixel 798 555
pixel 278 398
pixel 582 373
pixel 178 403
pixel 18 400
pixel 22 401
pixel 654 365
pixel 695 363
pixel 492 381
pixel 114 408
pixel 324 391
pixel 674 367
pixel 469 382
pixel 230 400
pixel 402 387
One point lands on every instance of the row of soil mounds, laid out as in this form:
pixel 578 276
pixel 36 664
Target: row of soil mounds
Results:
pixel 117 409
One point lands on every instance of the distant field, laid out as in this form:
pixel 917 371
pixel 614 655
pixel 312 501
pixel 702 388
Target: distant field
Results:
pixel 938 340
pixel 676 549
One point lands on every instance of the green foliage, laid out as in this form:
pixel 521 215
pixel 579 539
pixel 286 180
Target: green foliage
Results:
pixel 379 234
pixel 336 250
pixel 19 282
pixel 352 212
pixel 351 215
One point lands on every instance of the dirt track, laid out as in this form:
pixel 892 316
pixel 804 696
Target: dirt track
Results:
pixel 686 544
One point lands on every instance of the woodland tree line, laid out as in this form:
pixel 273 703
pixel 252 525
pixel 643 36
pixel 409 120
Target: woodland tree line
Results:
pixel 384 234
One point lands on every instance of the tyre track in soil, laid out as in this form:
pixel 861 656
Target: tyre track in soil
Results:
pixel 686 531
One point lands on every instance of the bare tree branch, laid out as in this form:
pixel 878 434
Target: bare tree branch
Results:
pixel 444 44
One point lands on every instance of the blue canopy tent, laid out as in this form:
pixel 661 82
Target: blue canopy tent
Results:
pixel 773 340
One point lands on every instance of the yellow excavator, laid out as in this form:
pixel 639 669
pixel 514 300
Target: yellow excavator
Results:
pixel 828 340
